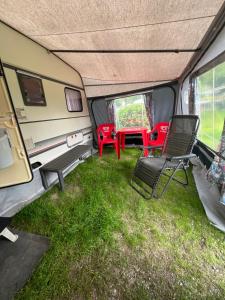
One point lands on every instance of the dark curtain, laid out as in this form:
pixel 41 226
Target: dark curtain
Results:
pixel 191 102
pixel 149 108
pixel 100 112
pixel 163 107
pixel 159 105
pixel 100 116
pixel 111 111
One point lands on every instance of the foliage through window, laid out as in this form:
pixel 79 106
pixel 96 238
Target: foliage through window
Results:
pixel 130 111
pixel 73 100
pixel 210 105
pixel 32 90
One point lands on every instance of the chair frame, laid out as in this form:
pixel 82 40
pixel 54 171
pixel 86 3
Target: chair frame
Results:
pixel 182 163
pixel 157 129
pixel 102 142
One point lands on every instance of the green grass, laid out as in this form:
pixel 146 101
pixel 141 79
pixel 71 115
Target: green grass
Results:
pixel 109 243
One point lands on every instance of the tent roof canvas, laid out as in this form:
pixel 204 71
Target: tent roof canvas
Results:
pixel 114 26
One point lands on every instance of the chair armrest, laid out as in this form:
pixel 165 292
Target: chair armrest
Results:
pixel 182 157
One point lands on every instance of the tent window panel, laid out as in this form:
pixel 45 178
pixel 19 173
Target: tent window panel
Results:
pixel 130 112
pixel 32 90
pixel 73 100
pixel 210 105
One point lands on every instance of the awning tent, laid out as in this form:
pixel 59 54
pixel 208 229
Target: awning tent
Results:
pixel 145 42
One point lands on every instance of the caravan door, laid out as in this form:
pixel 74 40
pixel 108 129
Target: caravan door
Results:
pixel 14 162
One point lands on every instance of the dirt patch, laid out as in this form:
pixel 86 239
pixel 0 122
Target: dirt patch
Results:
pixel 121 243
pixel 55 197
pixel 102 162
pixel 128 158
pixel 125 274
pixel 73 188
pixel 129 222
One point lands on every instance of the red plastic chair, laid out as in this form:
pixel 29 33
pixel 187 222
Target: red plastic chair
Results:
pixel 107 135
pixel 161 130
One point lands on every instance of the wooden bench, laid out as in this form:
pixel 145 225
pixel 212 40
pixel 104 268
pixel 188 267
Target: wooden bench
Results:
pixel 62 162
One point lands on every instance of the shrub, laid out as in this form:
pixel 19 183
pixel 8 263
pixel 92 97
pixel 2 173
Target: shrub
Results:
pixel 132 115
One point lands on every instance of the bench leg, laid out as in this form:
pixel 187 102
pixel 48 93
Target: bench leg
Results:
pixel 9 235
pixel 44 180
pixel 61 180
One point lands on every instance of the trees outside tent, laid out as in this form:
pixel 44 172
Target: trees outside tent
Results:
pixel 130 112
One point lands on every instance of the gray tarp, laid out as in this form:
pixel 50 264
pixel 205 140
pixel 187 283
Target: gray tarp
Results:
pixel 209 196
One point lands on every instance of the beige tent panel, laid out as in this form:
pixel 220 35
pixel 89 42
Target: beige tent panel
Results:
pixel 181 35
pixel 104 90
pixel 116 25
pixel 89 81
pixel 52 17
pixel 129 67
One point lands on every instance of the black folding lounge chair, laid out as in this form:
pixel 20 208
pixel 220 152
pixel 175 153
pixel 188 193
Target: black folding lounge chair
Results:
pixel 176 153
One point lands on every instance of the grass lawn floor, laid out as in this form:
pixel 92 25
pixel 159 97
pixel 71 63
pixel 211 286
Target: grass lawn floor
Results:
pixel 107 242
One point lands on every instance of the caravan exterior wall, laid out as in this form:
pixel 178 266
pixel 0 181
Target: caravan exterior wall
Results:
pixel 48 130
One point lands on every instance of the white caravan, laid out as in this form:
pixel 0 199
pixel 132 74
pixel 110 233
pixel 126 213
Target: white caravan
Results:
pixel 43 114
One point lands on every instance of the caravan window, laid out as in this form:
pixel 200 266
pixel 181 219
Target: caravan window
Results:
pixel 32 90
pixel 73 100
pixel 210 104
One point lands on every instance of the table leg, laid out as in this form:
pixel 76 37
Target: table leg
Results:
pixel 118 146
pixel 145 143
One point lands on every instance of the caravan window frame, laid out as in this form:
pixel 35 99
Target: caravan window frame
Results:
pixel 67 100
pixel 220 59
pixel 30 103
